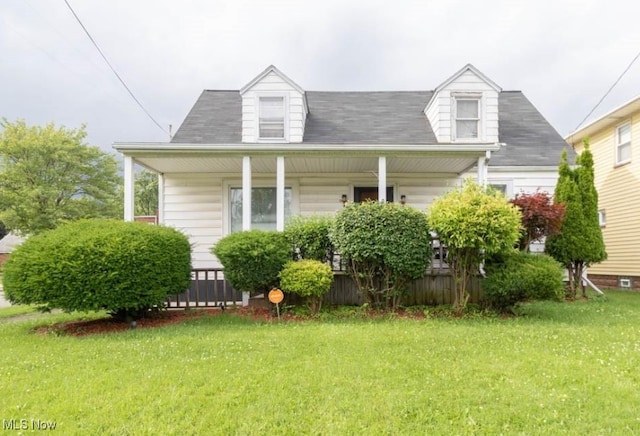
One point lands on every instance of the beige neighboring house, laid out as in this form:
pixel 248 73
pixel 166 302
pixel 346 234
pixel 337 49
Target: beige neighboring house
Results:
pixel 615 143
pixel 7 245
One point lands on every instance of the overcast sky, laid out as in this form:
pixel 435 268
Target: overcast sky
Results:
pixel 562 54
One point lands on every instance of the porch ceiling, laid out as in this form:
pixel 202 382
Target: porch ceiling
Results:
pixel 301 165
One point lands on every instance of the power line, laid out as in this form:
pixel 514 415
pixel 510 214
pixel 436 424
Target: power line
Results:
pixel 608 91
pixel 113 69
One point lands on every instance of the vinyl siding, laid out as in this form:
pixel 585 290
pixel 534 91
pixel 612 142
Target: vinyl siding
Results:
pixel 617 188
pixel 193 204
pixel 440 111
pixel 295 116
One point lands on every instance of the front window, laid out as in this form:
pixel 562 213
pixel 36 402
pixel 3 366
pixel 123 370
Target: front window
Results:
pixel 271 124
pixel 263 208
pixel 623 144
pixel 467 118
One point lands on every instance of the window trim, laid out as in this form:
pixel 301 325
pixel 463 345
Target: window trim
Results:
pixel 285 123
pixel 602 218
pixel 618 145
pixel 507 183
pixel 455 97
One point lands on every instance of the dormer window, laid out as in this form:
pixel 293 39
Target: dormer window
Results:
pixel 271 123
pixel 466 115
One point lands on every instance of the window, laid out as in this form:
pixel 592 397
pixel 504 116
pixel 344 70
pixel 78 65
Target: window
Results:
pixel 467 117
pixel 602 218
pixel 271 121
pixel 623 144
pixel 263 208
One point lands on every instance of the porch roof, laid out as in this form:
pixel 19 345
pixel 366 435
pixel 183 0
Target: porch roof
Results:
pixel 171 157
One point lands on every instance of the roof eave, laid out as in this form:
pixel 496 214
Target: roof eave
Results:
pixel 612 117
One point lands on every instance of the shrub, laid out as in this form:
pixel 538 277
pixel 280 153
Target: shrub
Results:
pixel 90 265
pixel 520 276
pixel 540 217
pixel 473 222
pixel 386 246
pixel 253 259
pixel 308 278
pixel 310 237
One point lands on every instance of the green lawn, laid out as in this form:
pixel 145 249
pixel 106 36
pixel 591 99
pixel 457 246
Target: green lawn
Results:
pixel 562 368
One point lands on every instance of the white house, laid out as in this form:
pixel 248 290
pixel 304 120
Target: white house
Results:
pixel 250 158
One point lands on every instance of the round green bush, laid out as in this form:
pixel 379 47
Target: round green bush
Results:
pixel 253 259
pixel 519 276
pixel 308 278
pixel 386 246
pixel 91 265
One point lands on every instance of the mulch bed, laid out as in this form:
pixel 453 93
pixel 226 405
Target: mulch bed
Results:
pixel 159 319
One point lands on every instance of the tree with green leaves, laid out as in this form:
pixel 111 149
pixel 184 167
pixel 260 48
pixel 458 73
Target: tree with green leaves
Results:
pixel 580 243
pixel 146 193
pixel 473 223
pixel 49 175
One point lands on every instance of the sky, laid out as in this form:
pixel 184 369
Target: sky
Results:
pixel 563 54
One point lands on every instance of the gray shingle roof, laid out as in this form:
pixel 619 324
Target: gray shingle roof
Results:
pixel 530 139
pixel 394 117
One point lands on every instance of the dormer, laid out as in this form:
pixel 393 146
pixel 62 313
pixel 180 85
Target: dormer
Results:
pixel 274 109
pixel 465 108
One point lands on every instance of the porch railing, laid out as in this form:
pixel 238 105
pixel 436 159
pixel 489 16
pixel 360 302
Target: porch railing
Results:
pixel 209 288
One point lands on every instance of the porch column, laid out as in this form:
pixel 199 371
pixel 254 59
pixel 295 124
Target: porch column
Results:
pixel 246 206
pixel 129 183
pixel 382 179
pixel 246 193
pixel 280 193
pixel 160 198
pixel 483 168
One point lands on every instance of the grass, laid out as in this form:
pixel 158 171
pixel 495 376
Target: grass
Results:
pixel 9 312
pixel 561 368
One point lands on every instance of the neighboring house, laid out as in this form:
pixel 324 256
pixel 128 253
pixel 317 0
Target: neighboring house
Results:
pixel 615 143
pixel 7 245
pixel 304 152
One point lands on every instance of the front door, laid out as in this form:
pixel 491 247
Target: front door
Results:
pixel 364 193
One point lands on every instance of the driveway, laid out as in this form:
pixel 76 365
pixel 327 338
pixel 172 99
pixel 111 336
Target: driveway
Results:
pixel 3 302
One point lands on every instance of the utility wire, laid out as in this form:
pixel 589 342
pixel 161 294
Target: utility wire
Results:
pixel 113 69
pixel 608 91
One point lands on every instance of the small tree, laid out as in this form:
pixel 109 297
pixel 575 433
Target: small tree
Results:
pixel 386 247
pixel 472 222
pixel 540 217
pixel 309 237
pixel 308 278
pixel 580 241
pixel 48 176
pixel 253 259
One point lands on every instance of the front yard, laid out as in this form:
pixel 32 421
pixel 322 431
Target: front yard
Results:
pixel 562 368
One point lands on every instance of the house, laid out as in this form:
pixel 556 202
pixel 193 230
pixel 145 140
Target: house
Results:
pixel 614 141
pixel 7 245
pixel 250 158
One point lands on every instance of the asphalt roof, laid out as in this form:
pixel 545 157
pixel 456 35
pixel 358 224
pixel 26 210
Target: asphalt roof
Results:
pixel 385 117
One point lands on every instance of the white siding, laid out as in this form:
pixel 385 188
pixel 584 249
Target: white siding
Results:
pixel 295 116
pixel 440 112
pixel 193 204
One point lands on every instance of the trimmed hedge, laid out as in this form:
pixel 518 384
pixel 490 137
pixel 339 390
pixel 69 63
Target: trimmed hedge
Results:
pixel 308 278
pixel 519 276
pixel 91 265
pixel 253 259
